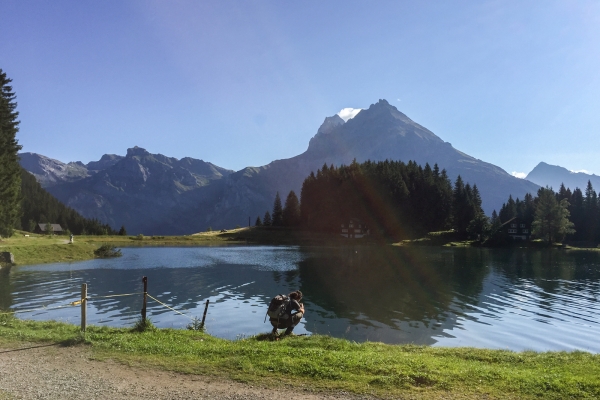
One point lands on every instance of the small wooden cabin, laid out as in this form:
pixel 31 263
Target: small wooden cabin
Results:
pixel 56 229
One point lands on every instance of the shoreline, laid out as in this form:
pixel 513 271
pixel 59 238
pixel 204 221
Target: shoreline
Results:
pixel 325 365
pixel 31 249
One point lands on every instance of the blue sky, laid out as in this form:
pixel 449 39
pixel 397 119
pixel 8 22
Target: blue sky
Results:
pixel 242 83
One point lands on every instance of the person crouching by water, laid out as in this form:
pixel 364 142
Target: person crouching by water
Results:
pixel 291 318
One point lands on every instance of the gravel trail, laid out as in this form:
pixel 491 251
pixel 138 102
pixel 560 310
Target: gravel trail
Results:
pixel 33 371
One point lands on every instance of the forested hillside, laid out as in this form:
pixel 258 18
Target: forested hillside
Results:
pixel 39 206
pixel 392 198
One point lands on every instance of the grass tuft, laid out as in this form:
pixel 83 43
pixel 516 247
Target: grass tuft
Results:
pixel 143 325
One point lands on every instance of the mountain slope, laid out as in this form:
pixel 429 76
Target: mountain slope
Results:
pixel 553 175
pixel 148 193
pixel 378 133
pixel 39 206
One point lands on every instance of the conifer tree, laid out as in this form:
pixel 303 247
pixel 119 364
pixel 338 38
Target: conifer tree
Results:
pixel 291 210
pixel 122 231
pixel 508 210
pixel 10 170
pixel 277 212
pixel 577 210
pixel 495 223
pixel 267 219
pixel 590 203
pixel 258 222
pixel 461 205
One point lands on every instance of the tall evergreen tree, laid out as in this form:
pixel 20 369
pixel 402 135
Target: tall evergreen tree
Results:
pixel 577 210
pixel 291 210
pixel 267 219
pixel 278 211
pixel 10 170
pixel 258 222
pixel 590 203
pixel 463 207
pixel 508 210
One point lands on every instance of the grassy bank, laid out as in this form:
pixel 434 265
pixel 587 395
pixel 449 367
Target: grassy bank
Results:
pixel 323 363
pixel 40 249
pixel 29 248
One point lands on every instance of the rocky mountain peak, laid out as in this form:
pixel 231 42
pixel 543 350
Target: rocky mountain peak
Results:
pixel 137 151
pixel 106 161
pixel 330 123
pixel 381 110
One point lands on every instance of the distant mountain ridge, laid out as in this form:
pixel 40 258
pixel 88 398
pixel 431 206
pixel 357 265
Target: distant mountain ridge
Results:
pixel 143 191
pixel 553 175
pixel 154 194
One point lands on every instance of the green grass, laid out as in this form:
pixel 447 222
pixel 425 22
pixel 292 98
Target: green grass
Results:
pixel 41 249
pixel 325 363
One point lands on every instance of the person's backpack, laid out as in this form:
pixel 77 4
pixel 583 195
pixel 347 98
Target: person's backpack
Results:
pixel 278 306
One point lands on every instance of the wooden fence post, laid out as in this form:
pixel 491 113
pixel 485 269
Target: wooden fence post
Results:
pixel 83 306
pixel 145 280
pixel 204 316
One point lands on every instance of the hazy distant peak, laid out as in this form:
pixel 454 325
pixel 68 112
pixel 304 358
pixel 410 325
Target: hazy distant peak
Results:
pixel 554 175
pixel 330 123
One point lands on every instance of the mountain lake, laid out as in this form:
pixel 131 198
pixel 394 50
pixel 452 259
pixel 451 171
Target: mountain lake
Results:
pixel 516 299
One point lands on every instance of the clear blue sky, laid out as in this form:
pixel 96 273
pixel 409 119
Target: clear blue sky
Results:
pixel 242 83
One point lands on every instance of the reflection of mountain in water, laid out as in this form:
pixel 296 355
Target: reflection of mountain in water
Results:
pixel 387 293
pixel 513 298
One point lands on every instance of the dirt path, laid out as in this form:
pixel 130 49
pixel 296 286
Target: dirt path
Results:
pixel 32 371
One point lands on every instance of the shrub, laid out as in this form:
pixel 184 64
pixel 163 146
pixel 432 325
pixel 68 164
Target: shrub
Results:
pixel 143 325
pixel 107 251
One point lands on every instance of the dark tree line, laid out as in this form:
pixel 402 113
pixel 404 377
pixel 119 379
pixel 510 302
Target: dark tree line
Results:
pixel 576 214
pixel 585 212
pixel 392 198
pixel 39 206
pixel 284 216
pixel 582 209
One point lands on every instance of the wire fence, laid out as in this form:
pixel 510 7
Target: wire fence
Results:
pixel 84 298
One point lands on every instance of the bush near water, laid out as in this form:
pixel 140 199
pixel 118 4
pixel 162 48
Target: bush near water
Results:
pixel 107 251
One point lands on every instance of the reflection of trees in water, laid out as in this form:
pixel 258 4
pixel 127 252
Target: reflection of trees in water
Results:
pixel 387 284
pixel 548 269
pixel 5 289
pixel 553 280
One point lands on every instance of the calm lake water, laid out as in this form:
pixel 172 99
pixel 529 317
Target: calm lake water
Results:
pixel 512 299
